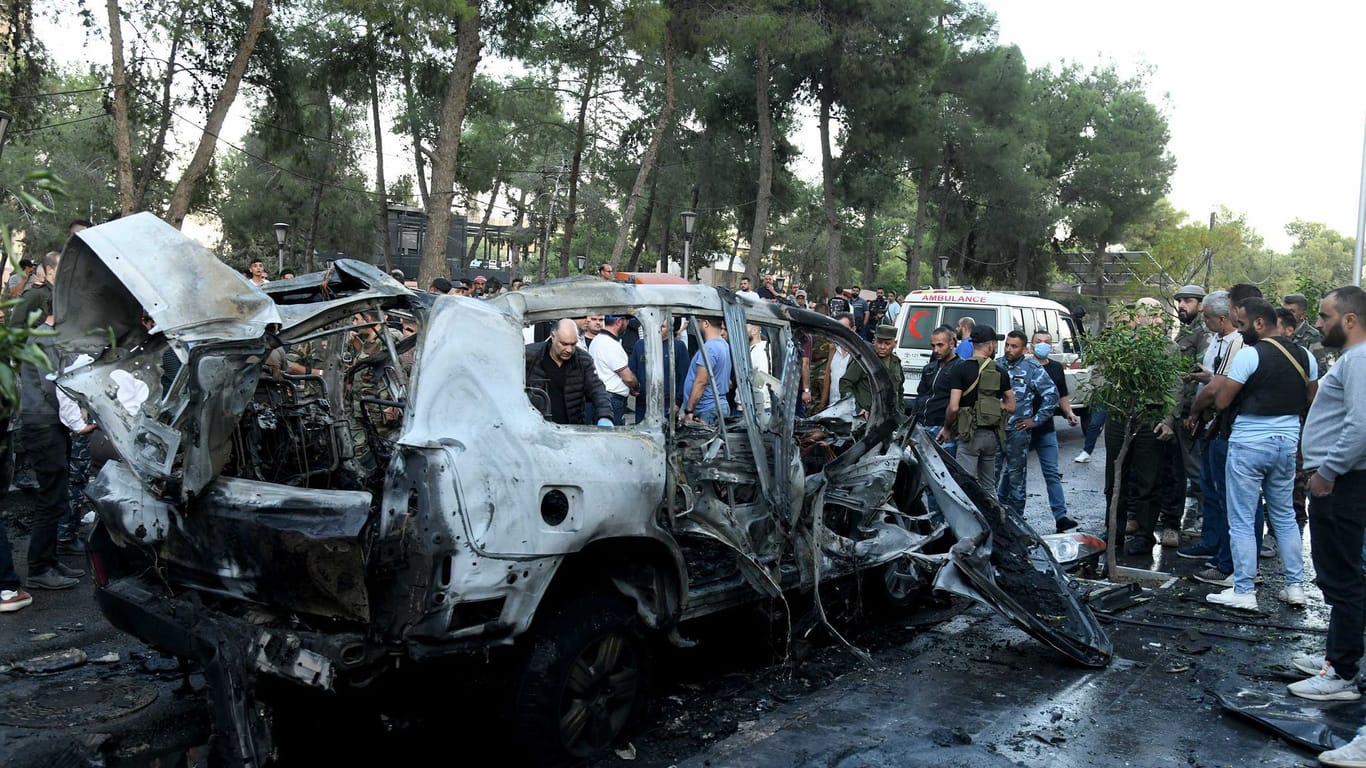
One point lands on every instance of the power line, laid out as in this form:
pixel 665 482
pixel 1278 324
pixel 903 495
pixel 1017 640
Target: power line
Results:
pixel 59 125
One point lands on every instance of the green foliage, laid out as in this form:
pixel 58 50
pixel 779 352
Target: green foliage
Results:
pixel 1134 367
pixel 15 349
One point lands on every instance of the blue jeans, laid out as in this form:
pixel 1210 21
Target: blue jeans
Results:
pixel 714 415
pixel 1045 444
pixel 1214 515
pixel 8 578
pixel 618 409
pixel 1264 469
pixel 1094 427
pixel 950 446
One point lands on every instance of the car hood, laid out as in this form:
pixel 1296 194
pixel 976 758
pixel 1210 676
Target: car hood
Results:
pixel 111 274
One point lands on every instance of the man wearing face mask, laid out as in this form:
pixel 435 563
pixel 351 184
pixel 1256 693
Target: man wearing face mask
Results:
pixel 1043 439
pixel 1035 400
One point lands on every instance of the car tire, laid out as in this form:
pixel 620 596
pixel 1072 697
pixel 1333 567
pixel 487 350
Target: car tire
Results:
pixel 582 684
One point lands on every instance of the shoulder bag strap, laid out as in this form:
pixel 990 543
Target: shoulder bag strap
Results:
pixel 1299 368
pixel 980 368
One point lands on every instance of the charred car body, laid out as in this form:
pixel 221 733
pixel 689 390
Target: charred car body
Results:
pixel 404 503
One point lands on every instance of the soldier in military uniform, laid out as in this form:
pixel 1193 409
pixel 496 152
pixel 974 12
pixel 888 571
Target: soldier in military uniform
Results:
pixel 369 382
pixel 1307 336
pixel 857 382
pixel 1192 339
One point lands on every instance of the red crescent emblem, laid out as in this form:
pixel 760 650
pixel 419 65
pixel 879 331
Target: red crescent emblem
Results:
pixel 911 326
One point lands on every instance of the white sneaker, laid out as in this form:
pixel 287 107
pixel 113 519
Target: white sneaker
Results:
pixel 1082 457
pixel 1326 686
pixel 1293 595
pixel 1308 663
pixel 1352 754
pixel 1246 601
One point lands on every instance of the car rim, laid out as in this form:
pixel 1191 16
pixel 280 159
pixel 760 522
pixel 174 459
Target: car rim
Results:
pixel 599 695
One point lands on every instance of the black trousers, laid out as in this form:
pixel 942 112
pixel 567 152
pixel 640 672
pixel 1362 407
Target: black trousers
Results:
pixel 47 446
pixel 1336 525
pixel 1142 475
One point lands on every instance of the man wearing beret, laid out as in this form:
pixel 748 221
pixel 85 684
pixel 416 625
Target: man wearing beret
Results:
pixel 857 382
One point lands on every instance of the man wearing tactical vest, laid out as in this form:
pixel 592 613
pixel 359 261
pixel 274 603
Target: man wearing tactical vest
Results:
pixel 1268 386
pixel 980 401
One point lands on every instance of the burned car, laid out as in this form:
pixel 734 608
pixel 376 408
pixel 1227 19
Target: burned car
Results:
pixel 336 480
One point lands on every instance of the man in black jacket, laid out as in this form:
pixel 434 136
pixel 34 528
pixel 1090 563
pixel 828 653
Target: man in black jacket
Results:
pixel 565 373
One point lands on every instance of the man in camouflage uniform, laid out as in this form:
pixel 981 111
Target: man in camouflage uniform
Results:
pixel 857 382
pixel 369 382
pixel 1192 339
pixel 1307 336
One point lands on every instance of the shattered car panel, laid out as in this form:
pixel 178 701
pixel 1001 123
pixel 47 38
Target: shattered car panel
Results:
pixel 414 502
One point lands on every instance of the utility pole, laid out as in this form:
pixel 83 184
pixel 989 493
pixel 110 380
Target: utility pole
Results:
pixel 1361 218
pixel 1208 254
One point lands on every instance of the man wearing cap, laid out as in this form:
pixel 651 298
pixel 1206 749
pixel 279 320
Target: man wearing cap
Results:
pixel 980 400
pixel 22 280
pixel 614 366
pixel 800 298
pixel 479 283
pixel 861 385
pixel 1192 339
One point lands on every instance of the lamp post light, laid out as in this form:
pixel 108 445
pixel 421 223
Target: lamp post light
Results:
pixel 580 261
pixel 689 221
pixel 942 277
pixel 281 229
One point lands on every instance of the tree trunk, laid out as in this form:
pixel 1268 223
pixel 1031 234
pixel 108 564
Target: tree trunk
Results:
pixel 580 137
pixel 1113 538
pixel 482 235
pixel 199 164
pixel 922 201
pixel 869 246
pixel 311 243
pixel 832 221
pixel 418 160
pixel 123 152
pixel 758 239
pixel 152 158
pixel 643 228
pixel 516 248
pixel 434 262
pixel 647 162
pixel 381 193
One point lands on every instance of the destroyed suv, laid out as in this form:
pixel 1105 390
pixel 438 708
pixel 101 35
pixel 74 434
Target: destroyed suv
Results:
pixel 335 480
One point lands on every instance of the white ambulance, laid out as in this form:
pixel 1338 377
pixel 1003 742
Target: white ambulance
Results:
pixel 923 311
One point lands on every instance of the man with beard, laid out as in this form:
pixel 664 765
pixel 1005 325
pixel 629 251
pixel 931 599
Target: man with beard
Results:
pixel 1306 336
pixel 932 393
pixel 1192 339
pixel 1335 450
pixel 1270 382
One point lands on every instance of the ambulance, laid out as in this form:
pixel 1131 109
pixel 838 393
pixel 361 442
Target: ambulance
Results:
pixel 924 310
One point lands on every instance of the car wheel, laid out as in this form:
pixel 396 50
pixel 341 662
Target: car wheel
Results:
pixel 583 683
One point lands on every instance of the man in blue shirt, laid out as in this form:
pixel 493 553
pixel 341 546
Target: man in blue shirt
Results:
pixel 1032 385
pixel 705 399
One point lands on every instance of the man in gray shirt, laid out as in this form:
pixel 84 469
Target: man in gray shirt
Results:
pixel 1335 451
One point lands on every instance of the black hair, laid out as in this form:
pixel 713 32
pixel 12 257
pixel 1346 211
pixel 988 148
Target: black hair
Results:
pixel 1257 308
pixel 1349 298
pixel 949 331
pixel 1018 334
pixel 1243 291
pixel 1286 317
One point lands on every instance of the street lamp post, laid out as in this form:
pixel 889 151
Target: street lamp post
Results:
pixel 689 221
pixel 281 229
pixel 942 276
pixel 580 261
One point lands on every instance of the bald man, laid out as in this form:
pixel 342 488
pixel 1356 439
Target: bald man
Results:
pixel 563 371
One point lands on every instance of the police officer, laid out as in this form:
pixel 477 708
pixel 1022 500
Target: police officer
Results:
pixel 1306 335
pixel 857 382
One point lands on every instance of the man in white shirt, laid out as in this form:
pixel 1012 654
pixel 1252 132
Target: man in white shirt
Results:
pixel 613 366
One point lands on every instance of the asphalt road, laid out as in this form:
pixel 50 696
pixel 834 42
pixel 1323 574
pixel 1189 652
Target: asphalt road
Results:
pixel 948 685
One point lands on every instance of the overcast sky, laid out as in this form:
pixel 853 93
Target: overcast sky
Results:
pixel 1265 102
